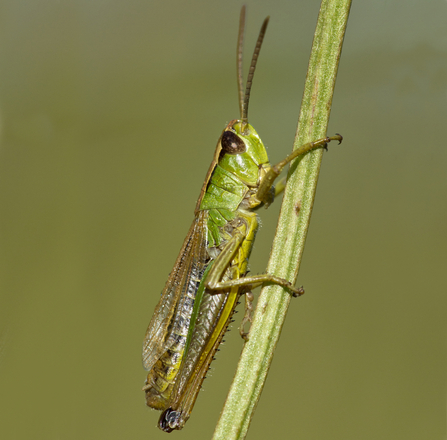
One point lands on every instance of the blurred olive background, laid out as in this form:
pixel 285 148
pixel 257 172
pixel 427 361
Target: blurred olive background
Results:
pixel 110 112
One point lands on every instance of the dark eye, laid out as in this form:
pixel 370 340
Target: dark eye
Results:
pixel 232 143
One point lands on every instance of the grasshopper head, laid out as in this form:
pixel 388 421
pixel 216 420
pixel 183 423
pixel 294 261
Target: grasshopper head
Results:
pixel 242 152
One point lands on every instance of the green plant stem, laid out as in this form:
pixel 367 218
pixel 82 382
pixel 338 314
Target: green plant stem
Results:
pixel 293 223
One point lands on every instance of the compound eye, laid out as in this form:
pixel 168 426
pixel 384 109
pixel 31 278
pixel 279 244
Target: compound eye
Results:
pixel 232 143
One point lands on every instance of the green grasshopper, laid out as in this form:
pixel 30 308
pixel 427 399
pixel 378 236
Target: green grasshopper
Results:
pixel 209 275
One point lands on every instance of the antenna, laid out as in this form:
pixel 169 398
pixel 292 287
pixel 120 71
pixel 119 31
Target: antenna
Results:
pixel 251 72
pixel 240 51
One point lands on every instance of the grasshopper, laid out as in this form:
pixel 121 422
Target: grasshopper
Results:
pixel 210 273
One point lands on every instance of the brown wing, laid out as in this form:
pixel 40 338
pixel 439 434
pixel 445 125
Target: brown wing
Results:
pixel 177 298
